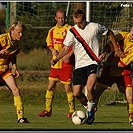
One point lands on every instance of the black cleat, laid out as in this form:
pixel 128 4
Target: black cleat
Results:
pixel 23 120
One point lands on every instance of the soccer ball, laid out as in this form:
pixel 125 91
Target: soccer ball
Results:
pixel 78 117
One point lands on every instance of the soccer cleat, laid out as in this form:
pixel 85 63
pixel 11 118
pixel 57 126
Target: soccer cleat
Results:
pixel 45 113
pixel 90 117
pixel 131 122
pixel 23 120
pixel 69 115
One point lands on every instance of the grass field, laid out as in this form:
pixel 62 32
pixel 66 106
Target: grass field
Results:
pixel 107 118
pixel 112 118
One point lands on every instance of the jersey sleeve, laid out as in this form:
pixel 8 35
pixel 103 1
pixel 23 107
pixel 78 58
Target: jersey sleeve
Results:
pixel 49 40
pixel 68 41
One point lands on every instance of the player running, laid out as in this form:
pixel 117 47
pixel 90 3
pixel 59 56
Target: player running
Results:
pixel 85 37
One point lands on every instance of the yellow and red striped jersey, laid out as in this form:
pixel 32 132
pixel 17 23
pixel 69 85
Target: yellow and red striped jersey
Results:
pixel 55 38
pixel 12 48
pixel 125 44
pixel 127 48
pixel 127 41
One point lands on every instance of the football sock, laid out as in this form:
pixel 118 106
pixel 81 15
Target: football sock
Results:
pixel 19 106
pixel 91 105
pixel 71 102
pixel 49 100
pixel 130 110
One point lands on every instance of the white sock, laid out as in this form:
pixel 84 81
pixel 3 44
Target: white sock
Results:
pixel 90 105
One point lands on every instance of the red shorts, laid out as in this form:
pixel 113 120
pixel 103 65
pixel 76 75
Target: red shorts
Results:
pixel 63 74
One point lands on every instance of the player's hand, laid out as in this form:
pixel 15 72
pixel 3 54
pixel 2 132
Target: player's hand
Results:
pixel 16 73
pixel 54 52
pixel 66 58
pixel 53 62
pixel 3 53
pixel 102 56
pixel 119 53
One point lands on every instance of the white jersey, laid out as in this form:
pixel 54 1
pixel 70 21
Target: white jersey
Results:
pixel 91 34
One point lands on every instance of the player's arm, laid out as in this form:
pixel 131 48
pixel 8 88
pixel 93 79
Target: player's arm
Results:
pixel 116 48
pixel 106 50
pixel 61 54
pixel 15 69
pixel 67 56
pixel 54 51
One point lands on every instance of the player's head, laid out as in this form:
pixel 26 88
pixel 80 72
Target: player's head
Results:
pixel 60 17
pixel 79 18
pixel 16 30
pixel 131 34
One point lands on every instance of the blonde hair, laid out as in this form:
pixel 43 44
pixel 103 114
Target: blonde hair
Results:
pixel 14 24
pixel 79 13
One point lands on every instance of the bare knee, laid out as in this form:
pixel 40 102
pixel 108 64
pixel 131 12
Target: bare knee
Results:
pixel 130 99
pixel 16 91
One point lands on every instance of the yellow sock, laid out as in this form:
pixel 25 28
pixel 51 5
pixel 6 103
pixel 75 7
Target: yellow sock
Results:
pixel 49 100
pixel 19 106
pixel 130 111
pixel 71 103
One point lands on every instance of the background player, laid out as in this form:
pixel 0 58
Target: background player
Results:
pixel 63 69
pixel 9 48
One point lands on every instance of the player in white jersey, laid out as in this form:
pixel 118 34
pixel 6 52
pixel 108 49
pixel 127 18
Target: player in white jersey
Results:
pixel 85 38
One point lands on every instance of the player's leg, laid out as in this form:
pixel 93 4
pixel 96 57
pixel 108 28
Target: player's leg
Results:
pixel 79 82
pixel 10 81
pixel 105 81
pixel 49 96
pixel 99 89
pixel 91 97
pixel 70 99
pixel 66 78
pixel 129 97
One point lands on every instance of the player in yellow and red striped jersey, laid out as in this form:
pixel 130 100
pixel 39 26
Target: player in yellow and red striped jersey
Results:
pixel 128 49
pixel 62 70
pixel 9 48
pixel 120 75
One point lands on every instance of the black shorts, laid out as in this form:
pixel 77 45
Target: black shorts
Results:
pixel 80 75
pixel 107 79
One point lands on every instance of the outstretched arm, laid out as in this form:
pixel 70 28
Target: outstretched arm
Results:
pixel 61 54
pixel 67 57
pixel 117 50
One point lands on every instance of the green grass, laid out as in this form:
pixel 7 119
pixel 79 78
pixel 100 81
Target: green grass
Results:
pixel 109 118
pixel 106 118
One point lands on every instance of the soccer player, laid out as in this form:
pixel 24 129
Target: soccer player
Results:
pixel 120 75
pixel 128 49
pixel 9 48
pixel 85 37
pixel 63 69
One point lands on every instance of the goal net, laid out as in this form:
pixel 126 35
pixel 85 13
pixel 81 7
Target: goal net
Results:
pixel 39 17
